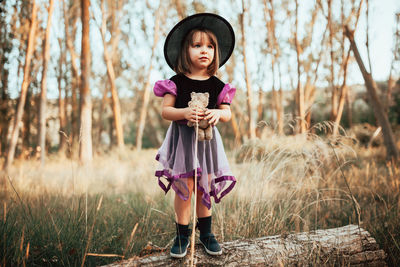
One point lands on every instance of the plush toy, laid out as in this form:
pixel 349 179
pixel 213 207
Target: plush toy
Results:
pixel 200 100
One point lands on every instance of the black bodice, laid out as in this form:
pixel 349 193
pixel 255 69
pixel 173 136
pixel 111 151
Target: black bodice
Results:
pixel 185 86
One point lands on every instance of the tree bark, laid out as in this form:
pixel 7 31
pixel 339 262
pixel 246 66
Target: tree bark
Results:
pixel 5 102
pixel 146 93
pixel 43 93
pixel 26 121
pixel 103 103
pixel 343 246
pixel 24 88
pixel 396 57
pixel 260 106
pixel 391 147
pixel 275 51
pixel 116 107
pixel 343 88
pixel 4 110
pixel 334 99
pixel 70 40
pixel 299 89
pixel 85 151
pixel 235 127
pixel 61 102
pixel 251 130
pixel 180 9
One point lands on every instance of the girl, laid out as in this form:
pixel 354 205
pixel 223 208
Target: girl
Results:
pixel 195 48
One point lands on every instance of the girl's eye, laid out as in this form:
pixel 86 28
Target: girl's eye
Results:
pixel 210 46
pixel 196 45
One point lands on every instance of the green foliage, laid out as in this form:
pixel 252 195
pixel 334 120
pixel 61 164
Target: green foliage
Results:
pixel 55 228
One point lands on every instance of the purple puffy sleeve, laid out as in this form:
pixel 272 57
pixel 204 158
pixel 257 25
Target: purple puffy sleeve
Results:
pixel 226 95
pixel 163 87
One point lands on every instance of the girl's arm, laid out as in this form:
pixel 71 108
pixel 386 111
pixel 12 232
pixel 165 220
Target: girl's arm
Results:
pixel 169 112
pixel 223 113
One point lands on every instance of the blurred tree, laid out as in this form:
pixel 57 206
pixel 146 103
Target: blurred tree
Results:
pixel 71 16
pixel 180 8
pixel 299 89
pixel 114 7
pixel 146 90
pixel 6 37
pixel 338 103
pixel 251 132
pixel 274 49
pixel 395 61
pixel 392 152
pixel 43 92
pixel 85 151
pixel 61 99
pixel 24 89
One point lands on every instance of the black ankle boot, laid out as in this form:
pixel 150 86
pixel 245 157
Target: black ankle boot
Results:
pixel 181 242
pixel 207 239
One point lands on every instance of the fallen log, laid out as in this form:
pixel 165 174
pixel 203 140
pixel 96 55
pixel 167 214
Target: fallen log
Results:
pixel 343 246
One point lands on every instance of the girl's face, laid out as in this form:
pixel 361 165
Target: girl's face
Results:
pixel 201 51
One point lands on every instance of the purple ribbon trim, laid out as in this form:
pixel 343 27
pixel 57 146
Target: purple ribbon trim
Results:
pixel 206 196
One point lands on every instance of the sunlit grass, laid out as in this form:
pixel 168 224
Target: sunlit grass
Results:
pixel 285 183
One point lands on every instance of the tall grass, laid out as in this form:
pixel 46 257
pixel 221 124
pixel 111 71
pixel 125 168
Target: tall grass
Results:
pixel 285 183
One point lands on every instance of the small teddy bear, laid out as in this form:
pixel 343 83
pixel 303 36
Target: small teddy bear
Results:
pixel 200 100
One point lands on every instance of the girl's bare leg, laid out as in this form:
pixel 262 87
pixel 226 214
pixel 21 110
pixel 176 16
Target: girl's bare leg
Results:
pixel 182 207
pixel 202 211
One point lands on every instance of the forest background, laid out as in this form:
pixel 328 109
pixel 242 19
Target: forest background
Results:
pixel 79 124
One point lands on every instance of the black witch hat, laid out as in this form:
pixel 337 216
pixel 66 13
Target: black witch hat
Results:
pixel 215 23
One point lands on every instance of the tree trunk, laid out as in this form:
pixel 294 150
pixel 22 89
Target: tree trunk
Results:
pixel 251 130
pixel 300 89
pixel 85 151
pixel 391 148
pixel 116 107
pixel 235 127
pixel 70 40
pixel 334 90
pixel 104 101
pixel 349 105
pixel 275 51
pixel 342 99
pixel 30 103
pixel 343 89
pixel 43 93
pixel 61 103
pixel 24 89
pixel 396 57
pixel 260 110
pixel 146 93
pixel 180 9
pixel 4 111
pixel 343 246
pixel 281 112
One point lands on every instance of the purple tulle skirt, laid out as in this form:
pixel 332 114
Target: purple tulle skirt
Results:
pixel 176 156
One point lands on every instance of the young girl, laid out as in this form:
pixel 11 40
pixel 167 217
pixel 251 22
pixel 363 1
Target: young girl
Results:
pixel 195 48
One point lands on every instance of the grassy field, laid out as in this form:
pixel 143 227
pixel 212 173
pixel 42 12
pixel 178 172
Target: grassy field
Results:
pixel 56 215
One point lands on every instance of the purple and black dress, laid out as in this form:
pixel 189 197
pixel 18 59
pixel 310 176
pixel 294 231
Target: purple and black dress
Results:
pixel 176 154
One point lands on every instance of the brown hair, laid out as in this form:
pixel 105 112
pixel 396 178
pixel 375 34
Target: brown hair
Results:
pixel 183 61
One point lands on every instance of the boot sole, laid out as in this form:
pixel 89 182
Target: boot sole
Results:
pixel 173 255
pixel 213 253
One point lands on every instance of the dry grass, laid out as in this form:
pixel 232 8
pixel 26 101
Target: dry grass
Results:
pixel 285 183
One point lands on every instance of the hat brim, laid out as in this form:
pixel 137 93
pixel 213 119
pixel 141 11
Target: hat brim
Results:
pixel 215 23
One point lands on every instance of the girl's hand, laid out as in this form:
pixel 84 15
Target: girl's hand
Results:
pixel 213 116
pixel 190 114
